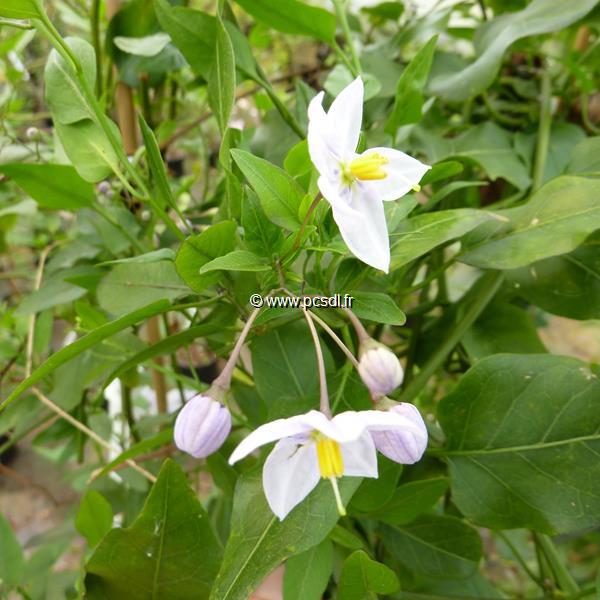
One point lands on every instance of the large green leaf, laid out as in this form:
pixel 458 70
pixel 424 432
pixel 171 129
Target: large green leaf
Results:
pixel 259 541
pixel 20 9
pixel 284 366
pixel 523 442
pixel 51 186
pixel 378 307
pixel 260 235
pixel 362 578
pixel 192 31
pixel 280 195
pixel 130 286
pixel 567 285
pixel 198 250
pixel 435 546
pixel 585 157
pixel 12 561
pixel 221 83
pixel 63 90
pixel 565 211
pixel 486 145
pixel 418 235
pixel 170 552
pixel 409 91
pixel 307 574
pixel 292 16
pixel 497 35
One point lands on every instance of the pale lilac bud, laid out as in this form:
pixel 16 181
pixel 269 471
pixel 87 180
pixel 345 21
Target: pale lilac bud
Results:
pixel 33 133
pixel 379 368
pixel 202 426
pixel 404 446
pixel 104 187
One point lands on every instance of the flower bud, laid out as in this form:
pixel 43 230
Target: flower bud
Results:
pixel 379 368
pixel 402 446
pixel 33 133
pixel 202 426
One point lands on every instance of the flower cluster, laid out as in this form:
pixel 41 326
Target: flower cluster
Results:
pixel 316 445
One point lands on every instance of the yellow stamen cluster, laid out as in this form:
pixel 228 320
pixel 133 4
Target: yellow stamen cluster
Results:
pixel 369 167
pixel 330 458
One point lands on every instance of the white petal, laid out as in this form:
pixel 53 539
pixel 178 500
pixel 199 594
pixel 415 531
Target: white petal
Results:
pixel 403 173
pixel 344 118
pixel 360 457
pixel 269 432
pixel 360 217
pixel 403 416
pixel 320 152
pixel 290 473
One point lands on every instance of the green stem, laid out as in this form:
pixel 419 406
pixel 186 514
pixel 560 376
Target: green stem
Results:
pixel 521 560
pixel 298 239
pixel 497 115
pixel 488 286
pixel 340 10
pixel 563 577
pixel 543 137
pixel 108 217
pixel 95 28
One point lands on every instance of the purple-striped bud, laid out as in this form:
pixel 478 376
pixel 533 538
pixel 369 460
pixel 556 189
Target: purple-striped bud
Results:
pixel 379 368
pixel 404 446
pixel 202 426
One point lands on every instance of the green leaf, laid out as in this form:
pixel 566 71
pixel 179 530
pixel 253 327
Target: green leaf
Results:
pixel 497 35
pixel 486 145
pixel 20 9
pixel 198 250
pixel 81 345
pixel 418 235
pixel 362 578
pixel 377 307
pixel 307 574
pixel 565 211
pixel 260 234
pixel 63 90
pixel 259 541
pixel 409 91
pixel 585 157
pixel 291 16
pixel 376 492
pixel 130 286
pixel 88 149
pixel 148 257
pixel 567 285
pixel 284 364
pixel 94 518
pixel 522 442
pixel 435 546
pixel 148 45
pixel 192 31
pixel 280 195
pixel 410 500
pixel 170 552
pixel 221 82
pixel 12 561
pixel 51 186
pixel 390 11
pixel 502 328
pixel 238 260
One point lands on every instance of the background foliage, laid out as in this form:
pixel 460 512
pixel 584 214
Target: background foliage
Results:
pixel 154 173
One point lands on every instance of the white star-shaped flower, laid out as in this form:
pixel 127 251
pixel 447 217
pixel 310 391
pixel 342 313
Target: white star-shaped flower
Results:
pixel 356 185
pixel 312 446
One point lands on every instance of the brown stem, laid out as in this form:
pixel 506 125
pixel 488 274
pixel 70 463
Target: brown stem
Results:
pixel 324 402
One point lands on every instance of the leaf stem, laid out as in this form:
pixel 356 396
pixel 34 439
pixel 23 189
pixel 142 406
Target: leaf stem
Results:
pixel 489 284
pixel 298 239
pixel 521 560
pixel 324 402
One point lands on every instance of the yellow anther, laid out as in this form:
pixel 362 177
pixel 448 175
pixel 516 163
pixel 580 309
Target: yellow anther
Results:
pixel 369 167
pixel 329 454
pixel 416 188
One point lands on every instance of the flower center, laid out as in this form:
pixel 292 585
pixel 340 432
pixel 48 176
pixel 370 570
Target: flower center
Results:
pixel 329 455
pixel 369 167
